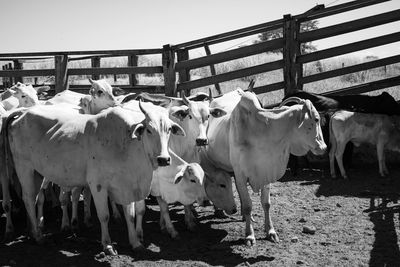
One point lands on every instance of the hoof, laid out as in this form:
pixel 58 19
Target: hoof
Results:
pixel 250 241
pixel 8 236
pixel 109 250
pixel 65 229
pixel 220 214
pixel 272 236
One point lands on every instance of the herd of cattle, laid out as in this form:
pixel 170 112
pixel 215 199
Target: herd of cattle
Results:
pixel 122 148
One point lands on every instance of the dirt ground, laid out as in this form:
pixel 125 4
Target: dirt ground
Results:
pixel 356 223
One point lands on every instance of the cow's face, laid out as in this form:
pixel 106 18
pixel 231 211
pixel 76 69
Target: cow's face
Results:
pixel 102 95
pixel 218 187
pixel 26 94
pixel 190 179
pixel 84 104
pixel 155 132
pixel 309 134
pixel 193 117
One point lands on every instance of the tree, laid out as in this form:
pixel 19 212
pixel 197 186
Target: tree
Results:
pixel 308 47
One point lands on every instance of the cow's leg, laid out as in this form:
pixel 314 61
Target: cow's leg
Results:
pixel 266 204
pixel 115 212
pixel 165 220
pixel 40 202
pixel 339 158
pixel 246 204
pixel 140 209
pixel 383 171
pixel 64 200
pixel 100 198
pixel 75 195
pixel 6 204
pixel 29 193
pixel 189 217
pixel 129 212
pixel 332 152
pixel 87 198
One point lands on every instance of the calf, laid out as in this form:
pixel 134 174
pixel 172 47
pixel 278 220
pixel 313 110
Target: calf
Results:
pixel 180 182
pixel 377 129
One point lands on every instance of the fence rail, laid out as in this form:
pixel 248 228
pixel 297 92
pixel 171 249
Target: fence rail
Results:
pixel 176 64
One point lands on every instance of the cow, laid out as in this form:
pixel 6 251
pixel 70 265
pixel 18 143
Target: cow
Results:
pixel 113 152
pixel 377 129
pixel 20 95
pixel 192 114
pixel 255 144
pixel 327 105
pixel 180 182
pixel 101 96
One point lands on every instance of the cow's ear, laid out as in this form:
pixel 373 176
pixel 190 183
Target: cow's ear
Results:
pixel 138 132
pixel 304 111
pixel 180 174
pixel 116 91
pixel 180 112
pixel 217 112
pixel 177 130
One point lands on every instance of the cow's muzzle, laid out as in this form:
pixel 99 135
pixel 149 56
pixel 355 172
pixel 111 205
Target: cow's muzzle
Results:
pixel 163 161
pixel 201 141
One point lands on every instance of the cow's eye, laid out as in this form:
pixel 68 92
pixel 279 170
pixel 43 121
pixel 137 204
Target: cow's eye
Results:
pixel 222 186
pixel 99 92
pixel 190 116
pixel 148 131
pixel 23 96
pixel 316 120
pixel 193 181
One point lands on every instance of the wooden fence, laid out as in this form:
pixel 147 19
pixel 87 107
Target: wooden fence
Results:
pixel 176 64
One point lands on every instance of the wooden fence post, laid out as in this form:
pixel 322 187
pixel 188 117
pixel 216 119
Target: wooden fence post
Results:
pixel 168 62
pixel 132 62
pixel 212 69
pixel 95 64
pixel 292 71
pixel 18 66
pixel 184 75
pixel 61 78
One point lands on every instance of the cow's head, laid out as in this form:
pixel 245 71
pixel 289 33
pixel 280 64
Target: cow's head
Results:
pixel 155 131
pixel 190 180
pixel 103 95
pixel 84 104
pixel 193 117
pixel 218 187
pixel 308 133
pixel 26 94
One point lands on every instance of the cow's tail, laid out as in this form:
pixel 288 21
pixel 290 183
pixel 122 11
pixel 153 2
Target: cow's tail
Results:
pixel 6 121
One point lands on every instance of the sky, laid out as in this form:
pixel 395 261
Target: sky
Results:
pixel 71 25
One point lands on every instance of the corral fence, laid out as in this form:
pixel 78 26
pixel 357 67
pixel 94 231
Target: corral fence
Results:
pixel 176 65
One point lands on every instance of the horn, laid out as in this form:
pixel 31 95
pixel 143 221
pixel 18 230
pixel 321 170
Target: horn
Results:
pixel 146 114
pixel 251 85
pixel 297 100
pixel 185 100
pixel 91 81
pixel 210 94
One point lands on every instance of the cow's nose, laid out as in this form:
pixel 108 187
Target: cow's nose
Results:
pixel 164 161
pixel 201 141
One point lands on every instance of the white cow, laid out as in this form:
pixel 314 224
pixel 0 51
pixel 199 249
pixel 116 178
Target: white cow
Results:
pixel 377 129
pixel 101 96
pixel 114 152
pixel 255 144
pixel 180 182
